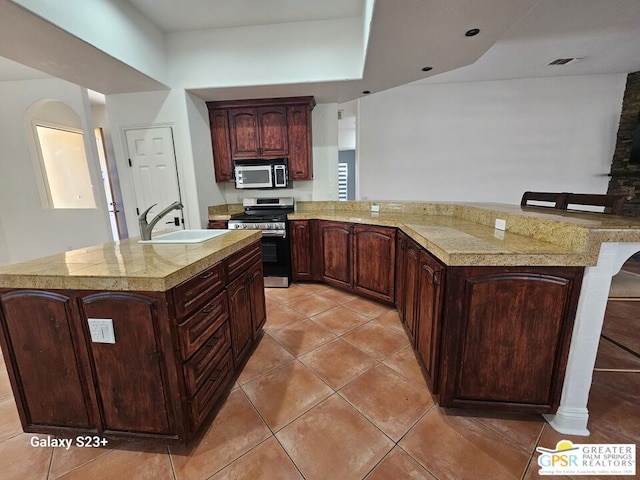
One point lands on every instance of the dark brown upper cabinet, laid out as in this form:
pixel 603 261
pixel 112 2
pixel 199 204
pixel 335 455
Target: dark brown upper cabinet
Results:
pixel 262 129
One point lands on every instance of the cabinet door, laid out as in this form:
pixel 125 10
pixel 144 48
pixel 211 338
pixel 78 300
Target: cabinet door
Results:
pixel 272 123
pixel 243 130
pixel 256 290
pixel 374 253
pixel 299 128
pixel 301 260
pixel 129 372
pixel 401 246
pixel 411 274
pixel 240 317
pixel 222 164
pixel 336 253
pixel 506 336
pixel 428 315
pixel 40 328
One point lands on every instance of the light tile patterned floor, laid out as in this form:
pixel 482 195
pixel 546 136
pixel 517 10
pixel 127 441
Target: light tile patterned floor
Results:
pixel 333 392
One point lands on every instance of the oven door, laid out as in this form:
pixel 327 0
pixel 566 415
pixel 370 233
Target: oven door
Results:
pixel 254 176
pixel 276 261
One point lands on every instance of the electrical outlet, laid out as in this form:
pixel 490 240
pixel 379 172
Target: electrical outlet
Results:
pixel 501 224
pixel 375 207
pixel 101 330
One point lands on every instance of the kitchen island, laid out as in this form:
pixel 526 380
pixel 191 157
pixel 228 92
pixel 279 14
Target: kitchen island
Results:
pixel 499 319
pixel 130 340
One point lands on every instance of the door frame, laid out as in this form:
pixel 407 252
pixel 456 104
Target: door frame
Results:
pixel 133 202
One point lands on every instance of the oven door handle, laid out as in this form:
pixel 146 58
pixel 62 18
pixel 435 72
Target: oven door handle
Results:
pixel 274 233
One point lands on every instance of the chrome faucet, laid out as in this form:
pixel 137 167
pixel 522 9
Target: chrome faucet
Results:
pixel 145 228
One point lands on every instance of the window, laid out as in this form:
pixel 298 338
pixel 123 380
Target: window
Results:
pixel 343 181
pixel 65 167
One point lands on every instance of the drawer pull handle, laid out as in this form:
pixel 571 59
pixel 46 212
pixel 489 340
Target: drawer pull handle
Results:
pixel 206 275
pixel 214 342
pixel 209 309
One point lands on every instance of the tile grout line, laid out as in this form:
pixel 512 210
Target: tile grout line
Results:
pixel 256 445
pixel 50 465
pixel 528 467
pixel 289 456
pixel 173 468
pixel 502 435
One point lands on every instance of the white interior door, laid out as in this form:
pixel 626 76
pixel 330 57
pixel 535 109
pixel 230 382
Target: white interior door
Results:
pixel 155 176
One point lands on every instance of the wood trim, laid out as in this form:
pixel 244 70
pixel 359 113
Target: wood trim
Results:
pixel 259 102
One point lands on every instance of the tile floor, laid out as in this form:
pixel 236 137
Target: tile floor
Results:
pixel 333 392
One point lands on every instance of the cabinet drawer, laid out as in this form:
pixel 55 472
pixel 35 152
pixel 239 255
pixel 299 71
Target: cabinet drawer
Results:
pixel 239 262
pixel 195 331
pixel 199 369
pixel 215 384
pixel 216 224
pixel 193 292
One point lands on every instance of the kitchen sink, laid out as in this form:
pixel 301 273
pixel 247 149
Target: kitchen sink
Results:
pixel 186 236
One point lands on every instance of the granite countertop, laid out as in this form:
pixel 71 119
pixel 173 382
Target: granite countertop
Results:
pixel 124 265
pixel 461 234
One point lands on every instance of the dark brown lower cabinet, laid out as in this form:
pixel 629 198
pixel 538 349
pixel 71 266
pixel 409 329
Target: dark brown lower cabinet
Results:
pixel 431 281
pixel 505 336
pixel 53 377
pixel 218 224
pixel 301 249
pixel 408 286
pixel 335 239
pixel 240 310
pixel 256 298
pixel 360 258
pixel 374 251
pixel 246 301
pixel 401 246
pixel 172 360
pixel 486 337
pixel 141 405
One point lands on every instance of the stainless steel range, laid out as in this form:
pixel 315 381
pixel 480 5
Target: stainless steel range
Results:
pixel 270 216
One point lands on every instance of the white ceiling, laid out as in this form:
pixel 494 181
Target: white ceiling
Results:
pixel 517 39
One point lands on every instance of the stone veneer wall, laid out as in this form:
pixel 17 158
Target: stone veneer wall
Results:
pixel 625 178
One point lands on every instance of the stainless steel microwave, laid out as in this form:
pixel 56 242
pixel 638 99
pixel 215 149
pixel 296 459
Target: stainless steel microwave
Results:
pixel 261 173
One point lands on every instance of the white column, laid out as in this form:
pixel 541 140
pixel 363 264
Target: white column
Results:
pixel 572 415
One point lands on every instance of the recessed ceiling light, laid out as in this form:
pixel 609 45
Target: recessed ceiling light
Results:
pixel 472 33
pixel 427 69
pixel 366 92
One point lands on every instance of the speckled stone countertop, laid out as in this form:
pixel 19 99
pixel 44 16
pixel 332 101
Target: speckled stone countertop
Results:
pixel 124 265
pixel 463 234
pixel 224 212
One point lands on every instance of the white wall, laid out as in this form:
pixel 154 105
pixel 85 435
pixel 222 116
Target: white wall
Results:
pixel 489 141
pixel 324 186
pixel 180 112
pixel 208 191
pixel 113 26
pixel 266 54
pixel 27 229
